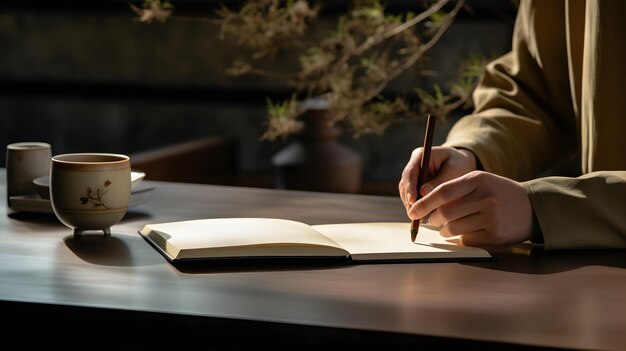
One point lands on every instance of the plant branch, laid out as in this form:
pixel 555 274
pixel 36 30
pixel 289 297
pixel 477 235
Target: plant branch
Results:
pixel 417 19
pixel 411 61
pixel 377 39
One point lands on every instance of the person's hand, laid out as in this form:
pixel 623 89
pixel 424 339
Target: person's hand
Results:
pixel 485 209
pixel 446 163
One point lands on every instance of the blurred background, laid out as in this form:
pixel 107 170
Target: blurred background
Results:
pixel 86 76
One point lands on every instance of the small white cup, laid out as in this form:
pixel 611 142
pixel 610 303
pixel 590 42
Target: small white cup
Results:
pixel 90 191
pixel 24 162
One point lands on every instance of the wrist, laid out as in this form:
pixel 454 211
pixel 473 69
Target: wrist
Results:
pixel 473 161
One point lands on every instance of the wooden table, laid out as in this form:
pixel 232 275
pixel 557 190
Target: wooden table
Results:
pixel 120 293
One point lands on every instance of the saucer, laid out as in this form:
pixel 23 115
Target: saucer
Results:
pixel 42 184
pixel 41 203
pixel 34 203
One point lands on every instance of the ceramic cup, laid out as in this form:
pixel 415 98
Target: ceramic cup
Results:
pixel 24 162
pixel 90 191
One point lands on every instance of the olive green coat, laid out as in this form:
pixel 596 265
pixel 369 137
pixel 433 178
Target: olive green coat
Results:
pixel 559 94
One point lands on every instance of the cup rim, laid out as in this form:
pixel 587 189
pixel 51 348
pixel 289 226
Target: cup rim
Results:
pixel 114 158
pixel 28 145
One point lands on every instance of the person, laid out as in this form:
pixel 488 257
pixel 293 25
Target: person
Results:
pixel 557 95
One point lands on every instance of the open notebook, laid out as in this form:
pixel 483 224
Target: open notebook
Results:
pixel 218 238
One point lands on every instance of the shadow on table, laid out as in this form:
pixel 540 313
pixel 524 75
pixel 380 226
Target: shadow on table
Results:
pixel 50 218
pixel 99 249
pixel 259 265
pixel 109 250
pixel 35 217
pixel 531 259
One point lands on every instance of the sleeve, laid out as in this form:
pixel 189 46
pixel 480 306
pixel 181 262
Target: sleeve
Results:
pixel 524 121
pixel 583 212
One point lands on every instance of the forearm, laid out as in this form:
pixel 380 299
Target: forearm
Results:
pixel 584 212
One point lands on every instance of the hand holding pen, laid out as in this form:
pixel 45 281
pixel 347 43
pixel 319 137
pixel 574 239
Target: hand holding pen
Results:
pixel 480 207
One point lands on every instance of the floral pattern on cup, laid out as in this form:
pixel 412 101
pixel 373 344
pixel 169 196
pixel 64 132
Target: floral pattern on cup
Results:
pixel 95 197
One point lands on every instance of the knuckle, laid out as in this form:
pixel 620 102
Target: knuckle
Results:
pixel 420 208
pixel 453 228
pixel 415 153
pixel 444 214
pixel 481 177
pixel 434 219
pixel 470 240
pixel 444 192
pixel 445 232
pixel 406 173
pixel 476 175
pixel 480 238
pixel 492 202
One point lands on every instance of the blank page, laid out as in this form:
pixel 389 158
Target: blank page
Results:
pixel 240 237
pixel 392 240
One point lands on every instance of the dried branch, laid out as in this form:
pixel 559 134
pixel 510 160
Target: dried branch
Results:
pixel 350 67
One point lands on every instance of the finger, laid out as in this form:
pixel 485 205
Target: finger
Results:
pixel 409 177
pixel 427 188
pixel 402 194
pixel 476 238
pixel 441 177
pixel 443 194
pixel 414 160
pixel 443 174
pixel 468 224
pixel 404 197
pixel 459 208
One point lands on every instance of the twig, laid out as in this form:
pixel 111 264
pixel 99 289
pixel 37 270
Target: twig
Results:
pixel 377 39
pixel 411 61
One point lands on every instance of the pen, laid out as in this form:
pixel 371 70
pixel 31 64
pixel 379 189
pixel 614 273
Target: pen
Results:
pixel 424 160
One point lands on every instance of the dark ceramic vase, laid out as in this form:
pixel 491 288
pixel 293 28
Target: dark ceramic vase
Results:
pixel 315 160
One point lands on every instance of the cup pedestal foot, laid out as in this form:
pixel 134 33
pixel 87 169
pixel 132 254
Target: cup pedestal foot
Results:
pixel 106 231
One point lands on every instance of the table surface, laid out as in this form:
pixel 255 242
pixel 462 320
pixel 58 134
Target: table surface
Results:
pixel 525 297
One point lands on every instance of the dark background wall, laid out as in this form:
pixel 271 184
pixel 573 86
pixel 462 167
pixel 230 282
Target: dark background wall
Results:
pixel 86 76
